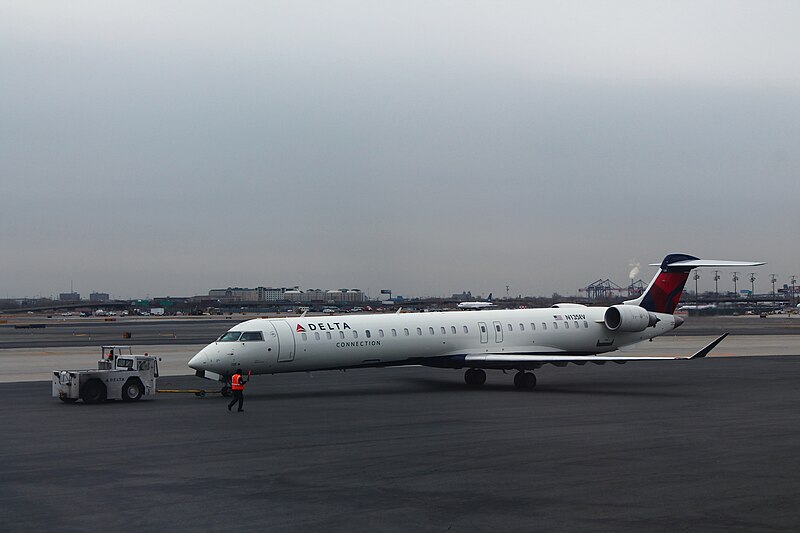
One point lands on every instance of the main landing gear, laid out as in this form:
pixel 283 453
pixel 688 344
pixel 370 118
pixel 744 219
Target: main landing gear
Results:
pixel 525 380
pixel 475 376
pixel 522 380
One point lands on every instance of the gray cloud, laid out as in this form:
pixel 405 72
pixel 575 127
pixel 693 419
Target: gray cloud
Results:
pixel 432 148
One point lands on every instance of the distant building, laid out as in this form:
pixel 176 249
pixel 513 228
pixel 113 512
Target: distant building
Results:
pixel 294 295
pixel 234 294
pixel 239 294
pixel 99 297
pixel 269 294
pixel 69 297
pixel 354 296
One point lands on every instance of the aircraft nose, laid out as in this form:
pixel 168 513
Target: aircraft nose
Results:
pixel 198 360
pixel 678 322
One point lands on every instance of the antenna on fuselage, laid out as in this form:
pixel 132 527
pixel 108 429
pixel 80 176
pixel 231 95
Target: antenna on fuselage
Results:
pixel 398 310
pixel 304 314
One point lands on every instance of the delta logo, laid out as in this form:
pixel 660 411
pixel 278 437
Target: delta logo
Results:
pixel 322 326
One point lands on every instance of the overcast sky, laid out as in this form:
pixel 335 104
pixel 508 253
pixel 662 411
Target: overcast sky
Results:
pixel 167 148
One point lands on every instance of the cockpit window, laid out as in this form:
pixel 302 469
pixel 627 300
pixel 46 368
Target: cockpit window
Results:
pixel 252 336
pixel 231 336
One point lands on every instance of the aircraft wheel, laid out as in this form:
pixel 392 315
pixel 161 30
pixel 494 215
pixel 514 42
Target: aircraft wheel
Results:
pixel 525 380
pixel 475 376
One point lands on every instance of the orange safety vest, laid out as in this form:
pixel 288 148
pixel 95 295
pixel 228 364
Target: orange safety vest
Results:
pixel 236 382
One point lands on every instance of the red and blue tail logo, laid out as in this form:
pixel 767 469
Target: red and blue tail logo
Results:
pixel 664 292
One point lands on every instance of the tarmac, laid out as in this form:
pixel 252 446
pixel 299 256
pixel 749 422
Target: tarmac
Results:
pixel 705 445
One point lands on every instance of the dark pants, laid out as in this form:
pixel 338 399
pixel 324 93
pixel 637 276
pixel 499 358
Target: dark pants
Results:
pixel 238 396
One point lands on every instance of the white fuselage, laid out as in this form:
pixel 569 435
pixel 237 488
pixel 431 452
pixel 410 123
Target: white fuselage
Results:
pixel 278 345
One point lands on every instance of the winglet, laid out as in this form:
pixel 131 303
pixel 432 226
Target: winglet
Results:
pixel 711 346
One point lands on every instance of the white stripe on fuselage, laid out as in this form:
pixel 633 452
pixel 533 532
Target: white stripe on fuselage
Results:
pixel 341 341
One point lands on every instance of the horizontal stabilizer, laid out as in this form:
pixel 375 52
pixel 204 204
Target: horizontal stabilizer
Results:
pixel 710 263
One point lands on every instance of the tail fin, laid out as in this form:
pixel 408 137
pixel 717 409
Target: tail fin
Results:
pixel 664 292
pixel 489 299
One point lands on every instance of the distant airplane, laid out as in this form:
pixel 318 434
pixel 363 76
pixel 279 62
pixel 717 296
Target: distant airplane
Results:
pixel 478 305
pixel 501 339
pixel 698 307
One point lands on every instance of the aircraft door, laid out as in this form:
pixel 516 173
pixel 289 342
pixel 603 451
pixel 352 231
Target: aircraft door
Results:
pixel 498 331
pixel 484 332
pixel 285 337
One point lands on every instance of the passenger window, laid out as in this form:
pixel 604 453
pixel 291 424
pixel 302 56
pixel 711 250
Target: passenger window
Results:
pixel 577 325
pixel 453 330
pixel 430 330
pixel 566 325
pixel 380 333
pixel 252 336
pixel 304 336
pixel 405 332
pixel 341 334
pixel 444 331
pixel 316 335
pixel 555 325
pixel 522 327
pixel 328 335
pixel 497 327
pixel 355 334
pixel 483 329
pixel 533 326
pixel 369 335
pixel 419 331
pixel 394 332
pixel 585 324
pixel 466 329
pixel 510 328
pixel 544 326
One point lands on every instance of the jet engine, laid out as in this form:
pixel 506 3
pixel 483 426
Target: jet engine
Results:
pixel 628 318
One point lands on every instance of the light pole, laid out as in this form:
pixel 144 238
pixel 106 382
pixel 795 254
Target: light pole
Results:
pixel 752 284
pixel 773 279
pixel 696 294
pixel 793 280
pixel 735 279
pixel 716 285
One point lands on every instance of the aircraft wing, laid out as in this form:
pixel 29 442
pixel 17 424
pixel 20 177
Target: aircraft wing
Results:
pixel 510 360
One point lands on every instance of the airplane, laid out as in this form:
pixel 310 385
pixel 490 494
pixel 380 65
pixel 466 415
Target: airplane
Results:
pixel 495 339
pixel 697 307
pixel 477 305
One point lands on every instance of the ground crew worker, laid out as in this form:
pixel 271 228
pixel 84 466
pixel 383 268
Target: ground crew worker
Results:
pixel 237 387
